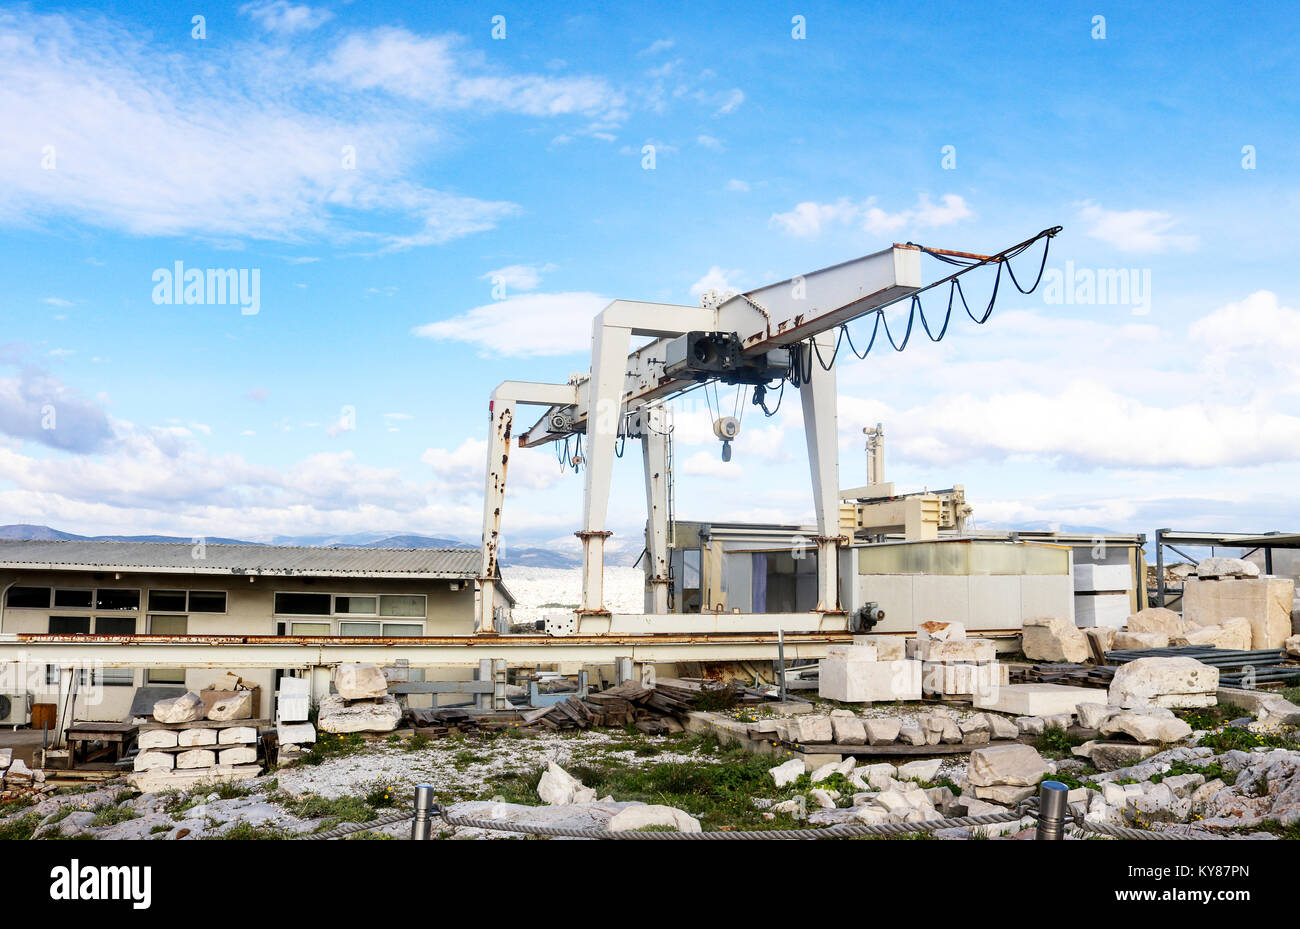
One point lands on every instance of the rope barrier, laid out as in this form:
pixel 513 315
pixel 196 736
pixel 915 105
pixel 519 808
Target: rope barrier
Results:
pixel 349 828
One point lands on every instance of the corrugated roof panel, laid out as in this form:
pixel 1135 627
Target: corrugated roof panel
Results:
pixel 181 557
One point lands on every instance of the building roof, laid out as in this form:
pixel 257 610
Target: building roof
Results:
pixel 269 560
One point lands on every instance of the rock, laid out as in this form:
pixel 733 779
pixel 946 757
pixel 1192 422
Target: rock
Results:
pixel 1266 601
pixel 1184 785
pixel 940 631
pixel 1292 646
pixel 1010 765
pixel 1046 638
pixel 869 815
pixel 1226 567
pixel 788 773
pixel 154 761
pixel 1150 730
pixel 360 681
pixel 925 770
pixel 888 647
pixel 848 730
pixel 196 758
pixel 1201 796
pixel 1168 682
pixel 884 731
pixel 6 757
pixel 810 729
pixel 1104 636
pixel 1005 794
pixel 238 705
pixel 912 734
pixel 595 815
pixel 1000 727
pixel 1092 715
pixel 824 798
pixel 1155 619
pixel 1030 725
pixel 156 738
pixel 17 774
pixel 824 772
pixel 1127 640
pixel 192 738
pixel 238 754
pixel 336 715
pixel 245 735
pixel 892 801
pixel 1232 633
pixel 880 776
pixel 639 817
pixel 559 788
pixel 186 708
pixel 1107 756
pixel 295 733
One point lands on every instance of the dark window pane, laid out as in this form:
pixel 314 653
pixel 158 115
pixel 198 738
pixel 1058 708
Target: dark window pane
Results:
pixel 117 598
pixel 115 625
pixel 207 601
pixel 303 604
pixel 165 675
pixel 69 625
pixel 114 677
pixel 354 605
pixel 167 601
pixel 35 597
pixel 74 599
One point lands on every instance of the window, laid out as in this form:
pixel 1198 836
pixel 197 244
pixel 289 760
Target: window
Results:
pixel 385 629
pixel 358 628
pixel 167 601
pixel 52 675
pixel 74 599
pixel 114 677
pixel 311 629
pixel 164 676
pixel 115 625
pixel 168 625
pixel 399 629
pixel 69 625
pixel 117 598
pixel 207 601
pixel 35 598
pixel 362 605
pixel 303 604
pixel 401 605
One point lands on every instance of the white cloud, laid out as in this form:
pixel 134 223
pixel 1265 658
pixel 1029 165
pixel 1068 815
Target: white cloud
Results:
pixel 41 408
pixel 143 142
pixel 284 17
pixel 706 464
pixel 810 217
pixel 709 142
pixel 518 277
pixel 657 46
pixel 462 469
pixel 737 185
pixel 717 279
pixel 58 301
pixel 1134 230
pixel 522 326
pixel 443 72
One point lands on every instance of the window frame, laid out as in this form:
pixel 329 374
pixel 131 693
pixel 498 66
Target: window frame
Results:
pixel 335 619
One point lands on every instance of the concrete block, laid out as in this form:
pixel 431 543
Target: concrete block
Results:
pixel 888 647
pixel 959 650
pixel 1265 601
pixel 189 738
pixel 865 682
pixel 852 652
pixel 196 758
pixel 237 735
pixel 237 755
pixel 1100 610
pixel 156 738
pixel 1110 577
pixel 1037 699
pixel 154 761
pixel 1046 638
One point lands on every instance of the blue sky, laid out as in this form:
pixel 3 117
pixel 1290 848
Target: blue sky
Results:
pixel 355 398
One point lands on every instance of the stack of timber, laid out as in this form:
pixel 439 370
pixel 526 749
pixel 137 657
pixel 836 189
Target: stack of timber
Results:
pixel 654 709
pixel 1073 674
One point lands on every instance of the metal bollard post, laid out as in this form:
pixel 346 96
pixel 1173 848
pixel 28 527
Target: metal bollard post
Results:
pixel 422 825
pixel 1052 809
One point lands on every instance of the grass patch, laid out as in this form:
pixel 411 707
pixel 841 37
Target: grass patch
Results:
pixel 9 807
pixel 110 814
pixel 1209 771
pixel 1211 717
pixel 245 832
pixel 1238 739
pixel 332 745
pixel 1055 742
pixel 20 829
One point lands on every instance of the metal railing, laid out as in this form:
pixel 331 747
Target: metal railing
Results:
pixel 1050 809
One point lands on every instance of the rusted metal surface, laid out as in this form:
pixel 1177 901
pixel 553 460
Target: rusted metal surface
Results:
pixel 466 641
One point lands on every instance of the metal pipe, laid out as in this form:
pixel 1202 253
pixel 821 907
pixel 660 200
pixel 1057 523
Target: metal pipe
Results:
pixel 1052 810
pixel 422 825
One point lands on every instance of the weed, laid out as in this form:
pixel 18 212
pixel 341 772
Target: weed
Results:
pixel 1055 742
pixel 246 832
pixel 110 814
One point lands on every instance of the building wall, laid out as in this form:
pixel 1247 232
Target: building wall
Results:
pixel 249 610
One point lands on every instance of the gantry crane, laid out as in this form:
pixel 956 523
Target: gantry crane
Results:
pixel 784 331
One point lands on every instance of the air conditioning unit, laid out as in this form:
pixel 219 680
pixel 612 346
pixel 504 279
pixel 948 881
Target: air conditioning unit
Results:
pixel 15 709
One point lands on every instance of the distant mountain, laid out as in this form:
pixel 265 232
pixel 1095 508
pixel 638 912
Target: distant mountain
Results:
pixel 514 555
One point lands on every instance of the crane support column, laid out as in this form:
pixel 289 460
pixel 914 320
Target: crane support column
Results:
pixel 502 418
pixel 654 453
pixel 820 420
pixel 609 349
